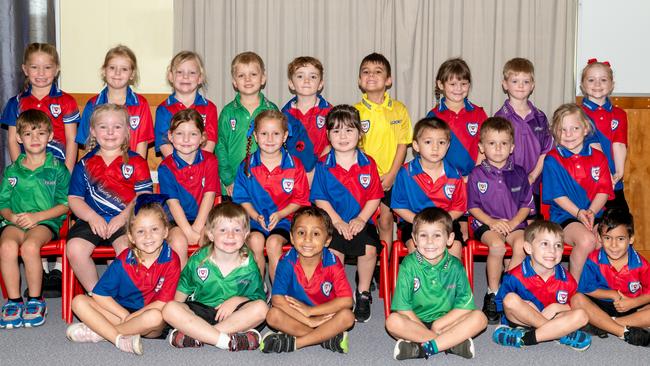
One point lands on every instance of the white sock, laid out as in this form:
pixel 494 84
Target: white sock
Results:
pixel 489 291
pixel 58 266
pixel 624 331
pixel 224 341
pixel 46 267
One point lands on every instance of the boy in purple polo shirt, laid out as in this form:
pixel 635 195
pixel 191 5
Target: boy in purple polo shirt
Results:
pixel 500 199
pixel 533 138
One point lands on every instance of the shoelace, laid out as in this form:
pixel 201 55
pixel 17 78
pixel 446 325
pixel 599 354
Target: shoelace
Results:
pixel 33 307
pixel 510 338
pixel 11 309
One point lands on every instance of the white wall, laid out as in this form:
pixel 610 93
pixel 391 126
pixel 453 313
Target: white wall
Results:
pixel 88 28
pixel 616 31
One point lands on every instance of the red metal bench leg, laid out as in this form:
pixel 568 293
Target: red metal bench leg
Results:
pixel 384 280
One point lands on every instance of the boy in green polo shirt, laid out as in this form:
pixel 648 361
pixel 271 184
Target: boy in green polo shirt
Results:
pixel 33 205
pixel 248 78
pixel 433 307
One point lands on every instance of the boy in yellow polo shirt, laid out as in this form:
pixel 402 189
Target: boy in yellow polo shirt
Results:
pixel 387 131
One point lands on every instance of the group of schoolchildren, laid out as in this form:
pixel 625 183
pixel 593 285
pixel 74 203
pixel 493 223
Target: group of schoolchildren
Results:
pixel 314 176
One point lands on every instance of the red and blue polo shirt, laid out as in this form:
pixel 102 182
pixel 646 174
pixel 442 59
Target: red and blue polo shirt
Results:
pixel 633 280
pixel 308 137
pixel 171 105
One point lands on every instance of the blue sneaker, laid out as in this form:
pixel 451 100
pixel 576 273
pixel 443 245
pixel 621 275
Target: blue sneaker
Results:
pixel 577 340
pixel 12 315
pixel 34 313
pixel 510 337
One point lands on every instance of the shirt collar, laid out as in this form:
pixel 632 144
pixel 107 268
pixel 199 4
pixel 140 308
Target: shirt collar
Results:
pixel 181 163
pixel 362 159
pixel 510 165
pixel 415 168
pixel 387 103
pixel 443 265
pixel 54 90
pixel 633 259
pixel 321 103
pixel 443 107
pixel 286 163
pixel 566 153
pixel 593 106
pixel 198 99
pixel 529 271
pixel 263 101
pixel 164 256
pixel 131 97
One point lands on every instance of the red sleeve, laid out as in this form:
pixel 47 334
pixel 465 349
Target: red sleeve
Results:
pixel 340 281
pixel 142 176
pixel 70 109
pixel 481 116
pixel 211 122
pixel 171 275
pixel 375 191
pixel 644 276
pixel 620 133
pixel 144 132
pixel 459 197
pixel 211 176
pixel 300 194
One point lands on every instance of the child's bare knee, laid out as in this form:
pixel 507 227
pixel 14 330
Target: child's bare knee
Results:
pixel 274 317
pixel 79 301
pixel 258 309
pixel 511 301
pixel 170 309
pixel 30 249
pixel 581 317
pixel 347 318
pixel 152 317
pixel 393 322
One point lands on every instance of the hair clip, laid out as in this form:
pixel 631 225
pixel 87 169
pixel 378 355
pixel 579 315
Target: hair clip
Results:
pixel 149 198
pixel 593 60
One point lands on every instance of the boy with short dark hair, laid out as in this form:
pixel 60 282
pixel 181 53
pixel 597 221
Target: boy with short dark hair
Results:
pixel 535 295
pixel 433 307
pixel 614 287
pixel 499 197
pixel 33 205
pixel 387 131
pixel 312 299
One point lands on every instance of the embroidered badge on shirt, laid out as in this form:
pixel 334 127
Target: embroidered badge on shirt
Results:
pixel 233 123
pixel 203 273
pixel 320 122
pixel 159 285
pixel 595 173
pixel 12 181
pixel 134 121
pixel 365 126
pixel 634 286
pixel 326 288
pixel 482 186
pixel 287 185
pixel 449 190
pixel 55 109
pixel 364 180
pixel 472 128
pixel 614 124
pixel 127 170
pixel 416 284
pixel 562 296
pixel 203 117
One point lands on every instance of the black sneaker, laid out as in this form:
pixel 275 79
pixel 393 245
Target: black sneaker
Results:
pixel 338 343
pixel 244 341
pixel 594 331
pixel 464 350
pixel 490 309
pixel 273 342
pixel 637 336
pixel 405 350
pixel 52 284
pixel 362 306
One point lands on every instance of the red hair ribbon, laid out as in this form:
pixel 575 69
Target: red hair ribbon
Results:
pixel 592 60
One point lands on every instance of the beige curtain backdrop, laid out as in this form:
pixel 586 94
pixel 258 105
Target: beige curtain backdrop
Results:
pixel 415 35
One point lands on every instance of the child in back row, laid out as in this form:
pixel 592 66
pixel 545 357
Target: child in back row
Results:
pixel 220 296
pixel 500 199
pixel 535 295
pixel 103 188
pixel 119 72
pixel 128 300
pixel 33 205
pixel 577 183
pixel 186 76
pixel 386 126
pixel 433 307
pixel 429 180
pixel 615 283
pixel 236 119
pixel 271 185
pixel 190 177
pixel 347 186
pixel 597 83
pixel 312 298
pixel 533 139
pixel 306 112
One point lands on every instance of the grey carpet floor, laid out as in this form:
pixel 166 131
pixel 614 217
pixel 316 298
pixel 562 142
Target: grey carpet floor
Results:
pixel 369 345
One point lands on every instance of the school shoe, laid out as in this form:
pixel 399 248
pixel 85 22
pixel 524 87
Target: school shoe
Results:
pixel 594 331
pixel 464 349
pixel 129 344
pixel 12 315
pixel 637 336
pixel 362 306
pixel 244 341
pixel 577 340
pixel 507 336
pixel 273 342
pixel 34 313
pixel 52 284
pixel 178 339
pixel 80 333
pixel 406 350
pixel 490 309
pixel 338 343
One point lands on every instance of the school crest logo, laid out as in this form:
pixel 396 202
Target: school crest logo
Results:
pixel 614 124
pixel 482 187
pixel 55 109
pixel 287 185
pixel 449 190
pixel 134 122
pixel 416 284
pixel 365 126
pixel 320 122
pixel 472 128
pixel 233 124
pixel 12 181
pixel 159 285
pixel 562 296
pixel 326 288
pixel 595 173
pixel 634 286
pixel 203 273
pixel 364 180
pixel 127 170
